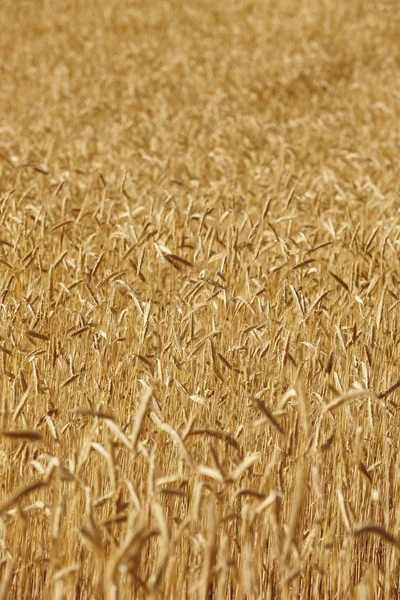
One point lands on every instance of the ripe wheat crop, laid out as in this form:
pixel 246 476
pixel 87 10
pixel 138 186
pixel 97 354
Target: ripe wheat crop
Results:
pixel 199 299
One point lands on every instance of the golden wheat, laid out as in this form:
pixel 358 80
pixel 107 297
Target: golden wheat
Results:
pixel 199 290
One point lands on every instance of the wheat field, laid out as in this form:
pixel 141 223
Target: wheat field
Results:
pixel 199 267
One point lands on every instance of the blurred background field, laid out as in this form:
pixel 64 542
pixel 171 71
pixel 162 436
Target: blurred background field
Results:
pixel 199 299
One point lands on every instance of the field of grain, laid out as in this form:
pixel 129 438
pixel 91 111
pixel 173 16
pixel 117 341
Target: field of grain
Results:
pixel 199 299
